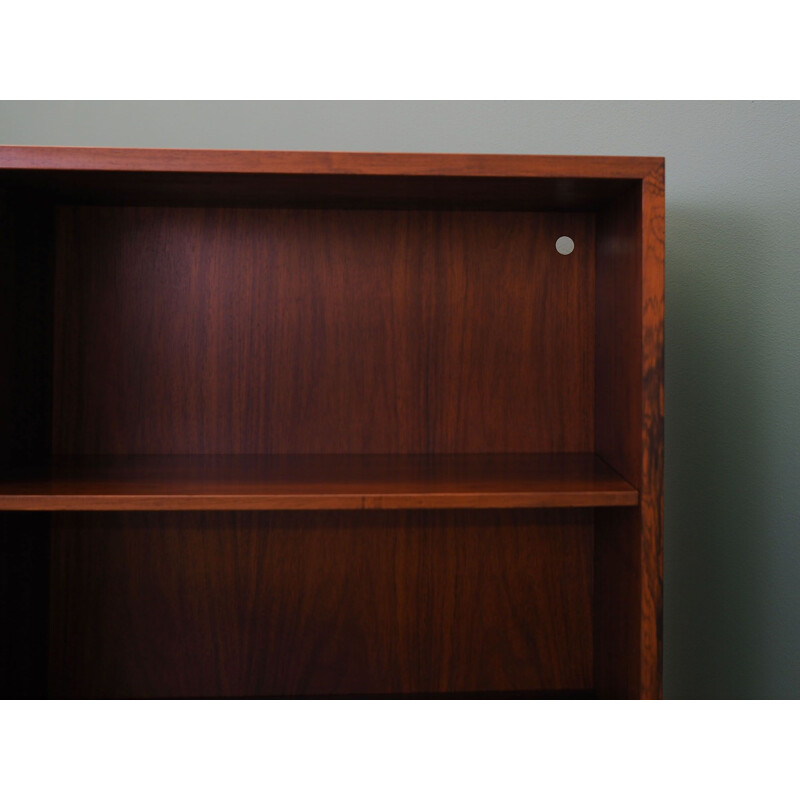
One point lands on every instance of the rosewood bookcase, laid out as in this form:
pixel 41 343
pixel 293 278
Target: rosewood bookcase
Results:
pixel 284 424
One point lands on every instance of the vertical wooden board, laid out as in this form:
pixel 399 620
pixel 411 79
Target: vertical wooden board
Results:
pixel 26 237
pixel 618 426
pixel 629 408
pixel 652 486
pixel 335 603
pixel 618 359
pixel 333 331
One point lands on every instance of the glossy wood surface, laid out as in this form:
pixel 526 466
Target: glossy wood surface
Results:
pixel 205 331
pixel 221 162
pixel 652 485
pixel 320 603
pixel 629 403
pixel 618 437
pixel 377 344
pixel 315 482
pixel 345 180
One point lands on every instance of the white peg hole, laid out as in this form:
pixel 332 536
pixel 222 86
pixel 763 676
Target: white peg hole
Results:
pixel 564 245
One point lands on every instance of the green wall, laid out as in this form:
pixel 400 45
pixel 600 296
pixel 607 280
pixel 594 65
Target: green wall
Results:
pixel 732 561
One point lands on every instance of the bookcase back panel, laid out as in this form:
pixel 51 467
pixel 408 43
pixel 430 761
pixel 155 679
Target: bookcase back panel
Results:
pixel 234 330
pixel 233 604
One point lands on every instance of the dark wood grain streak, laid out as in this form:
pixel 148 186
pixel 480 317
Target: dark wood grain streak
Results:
pixel 287 331
pixel 294 482
pixel 334 603
pixel 652 485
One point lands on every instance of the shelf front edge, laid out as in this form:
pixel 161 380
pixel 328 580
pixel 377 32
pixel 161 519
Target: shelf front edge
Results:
pixel 341 502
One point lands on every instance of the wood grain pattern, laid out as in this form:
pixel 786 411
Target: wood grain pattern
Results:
pixel 618 440
pixel 156 160
pixel 75 176
pixel 330 332
pixel 618 355
pixel 629 437
pixel 208 331
pixel 320 603
pixel 126 483
pixel 652 485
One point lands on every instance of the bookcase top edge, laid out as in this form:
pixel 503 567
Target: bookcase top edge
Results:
pixel 103 159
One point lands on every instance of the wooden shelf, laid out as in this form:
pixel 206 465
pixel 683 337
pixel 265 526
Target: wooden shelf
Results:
pixel 296 482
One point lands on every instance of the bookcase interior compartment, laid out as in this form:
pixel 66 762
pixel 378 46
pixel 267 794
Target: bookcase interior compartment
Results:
pixel 238 604
pixel 218 330
pixel 289 425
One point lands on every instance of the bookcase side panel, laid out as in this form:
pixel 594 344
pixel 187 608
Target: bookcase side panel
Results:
pixel 26 272
pixel 629 408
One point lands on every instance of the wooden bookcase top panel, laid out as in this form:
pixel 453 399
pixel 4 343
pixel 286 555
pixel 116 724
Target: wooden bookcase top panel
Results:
pixel 324 163
pixel 107 176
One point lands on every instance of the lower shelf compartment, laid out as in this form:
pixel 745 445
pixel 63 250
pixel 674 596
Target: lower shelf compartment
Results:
pixel 297 482
pixel 409 603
